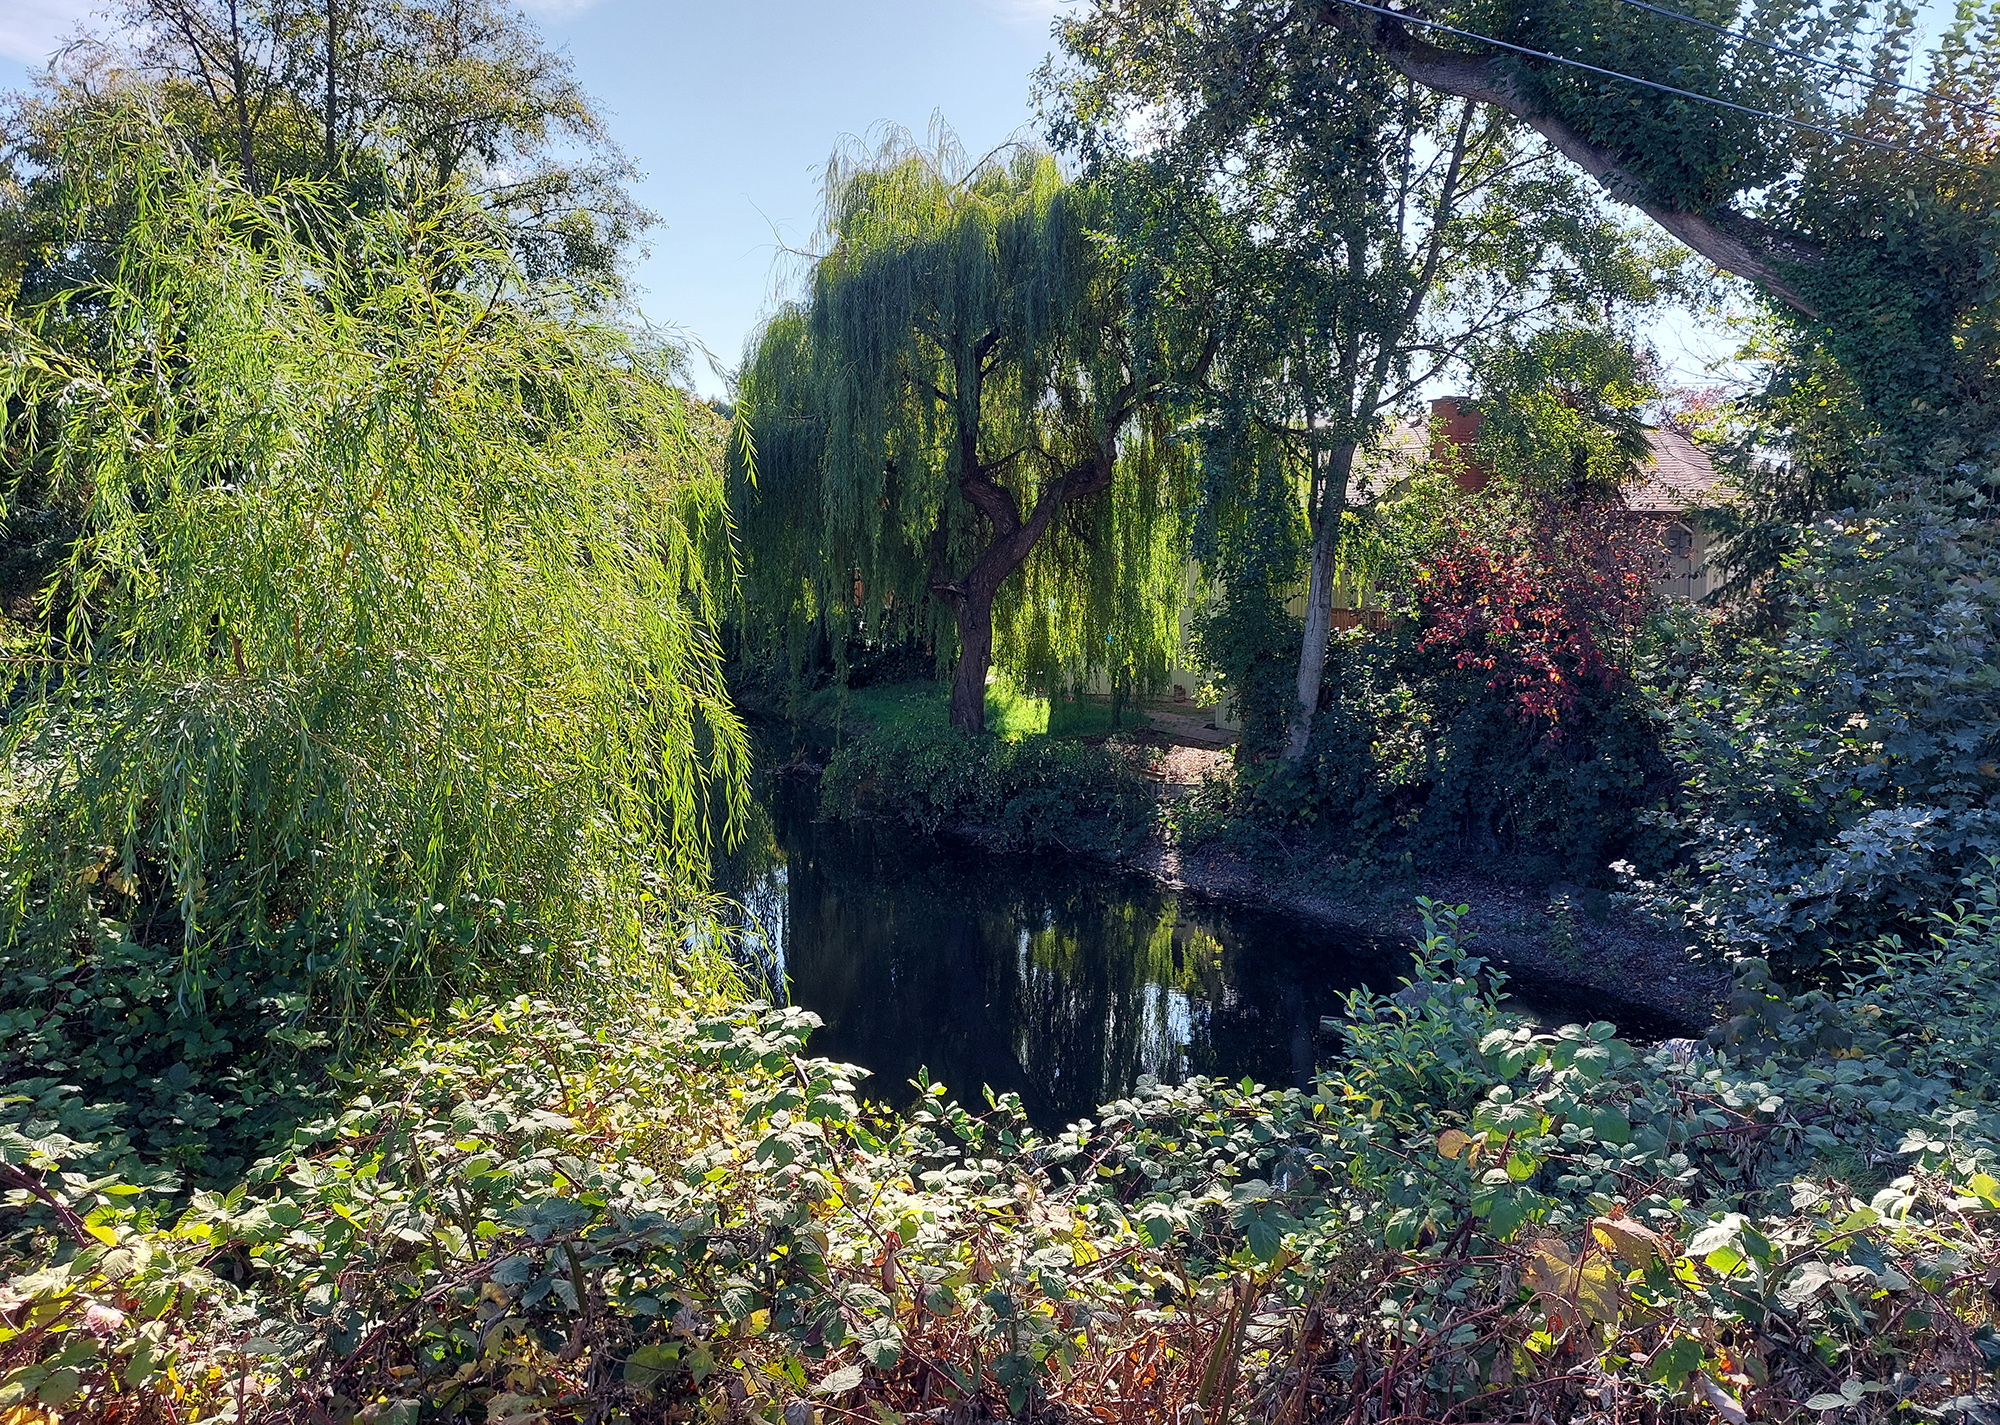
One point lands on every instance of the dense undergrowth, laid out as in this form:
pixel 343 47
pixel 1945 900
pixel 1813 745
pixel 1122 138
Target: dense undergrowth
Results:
pixel 627 1209
pixel 896 756
pixel 1414 758
pixel 1842 772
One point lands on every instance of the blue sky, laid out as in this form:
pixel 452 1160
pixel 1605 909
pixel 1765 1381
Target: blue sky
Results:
pixel 731 111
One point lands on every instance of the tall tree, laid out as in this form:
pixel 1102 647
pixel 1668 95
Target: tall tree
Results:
pixel 387 599
pixel 963 404
pixel 1366 233
pixel 1795 154
pixel 390 101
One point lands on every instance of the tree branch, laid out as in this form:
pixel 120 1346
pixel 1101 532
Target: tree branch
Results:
pixel 1733 241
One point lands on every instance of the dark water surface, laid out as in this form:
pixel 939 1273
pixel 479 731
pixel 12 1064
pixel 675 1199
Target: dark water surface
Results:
pixel 1061 980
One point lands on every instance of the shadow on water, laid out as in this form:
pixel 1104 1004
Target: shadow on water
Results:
pixel 1063 981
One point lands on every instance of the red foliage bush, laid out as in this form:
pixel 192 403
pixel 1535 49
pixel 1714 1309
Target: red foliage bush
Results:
pixel 1542 593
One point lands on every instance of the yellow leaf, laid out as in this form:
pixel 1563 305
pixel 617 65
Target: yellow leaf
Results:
pixel 29 1415
pixel 1628 1240
pixel 1548 1266
pixel 1452 1142
pixel 1596 1293
pixel 107 1235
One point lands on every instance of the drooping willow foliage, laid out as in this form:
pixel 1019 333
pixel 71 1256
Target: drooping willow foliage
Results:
pixel 389 633
pixel 964 418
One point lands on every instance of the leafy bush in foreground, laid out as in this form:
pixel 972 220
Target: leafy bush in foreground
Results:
pixel 524 1216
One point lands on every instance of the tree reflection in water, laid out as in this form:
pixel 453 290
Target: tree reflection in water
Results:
pixel 1061 980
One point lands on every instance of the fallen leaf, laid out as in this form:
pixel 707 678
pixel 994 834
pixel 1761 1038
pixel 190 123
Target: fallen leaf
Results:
pixel 1726 1405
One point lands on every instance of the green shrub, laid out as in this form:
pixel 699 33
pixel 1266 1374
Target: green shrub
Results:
pixel 1843 773
pixel 572 1212
pixel 1027 792
pixel 1411 753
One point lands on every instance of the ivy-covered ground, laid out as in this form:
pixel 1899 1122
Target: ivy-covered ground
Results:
pixel 630 1211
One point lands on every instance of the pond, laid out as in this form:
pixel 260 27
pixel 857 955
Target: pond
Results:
pixel 1062 980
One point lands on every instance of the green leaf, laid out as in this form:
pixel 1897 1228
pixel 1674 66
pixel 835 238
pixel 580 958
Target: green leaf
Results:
pixel 650 1364
pixel 841 1381
pixel 1673 1363
pixel 881 1342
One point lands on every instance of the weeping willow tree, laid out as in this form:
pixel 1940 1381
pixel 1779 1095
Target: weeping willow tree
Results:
pixel 387 643
pixel 964 426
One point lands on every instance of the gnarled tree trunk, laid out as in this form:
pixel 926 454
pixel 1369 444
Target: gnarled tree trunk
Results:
pixel 974 614
pixel 971 598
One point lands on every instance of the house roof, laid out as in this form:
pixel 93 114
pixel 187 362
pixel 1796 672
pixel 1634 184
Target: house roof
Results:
pixel 1678 475
pixel 1675 476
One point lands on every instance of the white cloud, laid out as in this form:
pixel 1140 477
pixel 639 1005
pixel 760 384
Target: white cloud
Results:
pixel 31 30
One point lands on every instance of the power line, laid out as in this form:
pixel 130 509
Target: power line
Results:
pixel 1832 64
pixel 1410 19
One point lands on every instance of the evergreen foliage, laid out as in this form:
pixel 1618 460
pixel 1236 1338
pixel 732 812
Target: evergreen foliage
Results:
pixel 960 429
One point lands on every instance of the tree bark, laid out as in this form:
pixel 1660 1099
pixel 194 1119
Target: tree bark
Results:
pixel 1319 598
pixel 1733 241
pixel 239 83
pixel 971 598
pixel 974 614
pixel 332 86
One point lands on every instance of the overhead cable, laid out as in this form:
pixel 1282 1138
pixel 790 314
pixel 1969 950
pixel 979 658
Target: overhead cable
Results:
pixel 1809 58
pixel 1409 19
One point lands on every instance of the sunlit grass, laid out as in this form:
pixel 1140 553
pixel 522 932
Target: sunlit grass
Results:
pixel 1011 712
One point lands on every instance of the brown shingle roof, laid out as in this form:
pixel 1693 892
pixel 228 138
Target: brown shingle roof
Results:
pixel 1677 476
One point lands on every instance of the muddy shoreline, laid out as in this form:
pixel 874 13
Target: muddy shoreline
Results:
pixel 1600 950
pixel 1597 951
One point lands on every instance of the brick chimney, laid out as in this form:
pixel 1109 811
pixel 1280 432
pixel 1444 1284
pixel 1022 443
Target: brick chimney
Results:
pixel 1457 421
